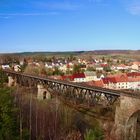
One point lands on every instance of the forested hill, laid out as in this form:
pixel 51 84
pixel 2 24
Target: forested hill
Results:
pixel 48 53
pixel 118 54
pixel 94 52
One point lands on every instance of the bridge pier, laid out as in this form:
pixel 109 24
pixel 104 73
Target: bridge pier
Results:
pixel 11 81
pixel 126 117
pixel 42 93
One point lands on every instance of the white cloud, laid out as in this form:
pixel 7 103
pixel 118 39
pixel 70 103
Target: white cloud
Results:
pixel 6 15
pixel 133 6
pixel 134 9
pixel 57 5
pixel 96 0
pixel 100 2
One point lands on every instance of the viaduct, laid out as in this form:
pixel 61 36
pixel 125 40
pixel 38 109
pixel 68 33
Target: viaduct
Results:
pixel 127 114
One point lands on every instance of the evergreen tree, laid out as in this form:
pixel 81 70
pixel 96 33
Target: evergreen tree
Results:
pixel 8 120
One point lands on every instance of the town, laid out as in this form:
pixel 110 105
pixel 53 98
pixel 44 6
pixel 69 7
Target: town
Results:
pixel 111 73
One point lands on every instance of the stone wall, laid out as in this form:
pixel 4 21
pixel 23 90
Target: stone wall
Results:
pixel 126 118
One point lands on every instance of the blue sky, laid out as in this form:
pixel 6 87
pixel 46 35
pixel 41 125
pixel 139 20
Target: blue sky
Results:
pixel 69 25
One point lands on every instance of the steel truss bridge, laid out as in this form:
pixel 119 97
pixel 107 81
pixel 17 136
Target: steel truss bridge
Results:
pixel 75 92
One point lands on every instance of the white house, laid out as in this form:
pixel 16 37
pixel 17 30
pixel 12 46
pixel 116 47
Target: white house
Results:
pixel 134 67
pixel 90 75
pixel 63 68
pixel 99 68
pixel 79 77
pixel 17 68
pixel 117 82
pixel 5 67
pixel 122 82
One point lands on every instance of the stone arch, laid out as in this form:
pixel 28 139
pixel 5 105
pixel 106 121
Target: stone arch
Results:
pixel 44 94
pixel 138 127
pixel 132 128
pixel 126 118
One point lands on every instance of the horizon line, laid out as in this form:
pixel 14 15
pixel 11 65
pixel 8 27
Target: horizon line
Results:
pixel 69 51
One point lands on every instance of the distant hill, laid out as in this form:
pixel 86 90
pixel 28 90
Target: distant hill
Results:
pixel 125 54
pixel 96 52
pixel 134 54
pixel 46 53
pixel 105 52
